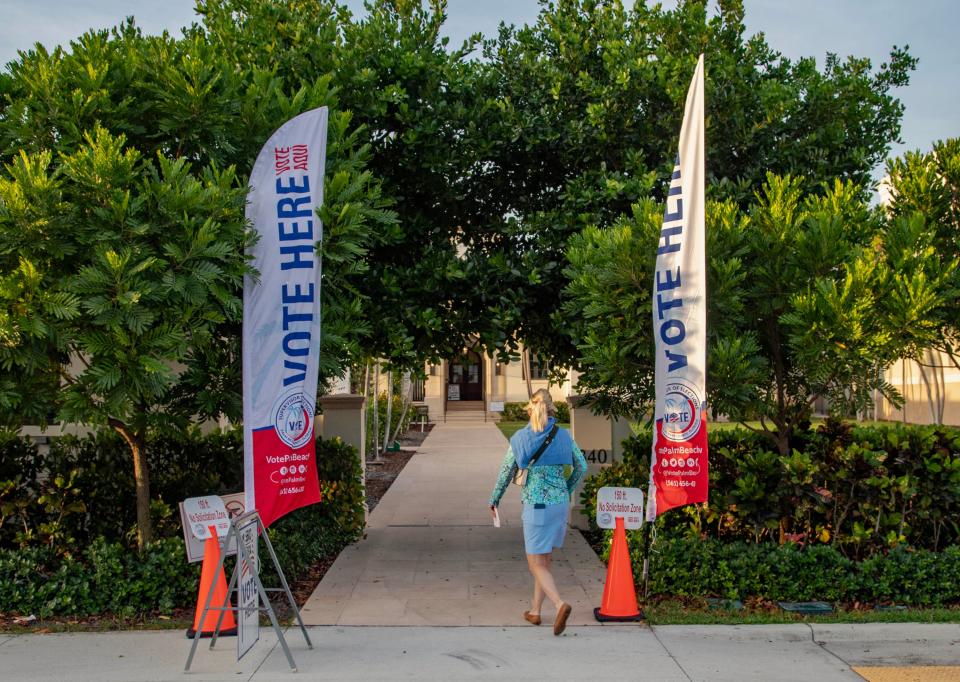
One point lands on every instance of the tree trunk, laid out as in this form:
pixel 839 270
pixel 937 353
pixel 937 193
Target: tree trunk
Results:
pixel 526 372
pixel 366 384
pixel 386 426
pixel 903 387
pixel 141 475
pixel 783 441
pixel 407 401
pixel 376 411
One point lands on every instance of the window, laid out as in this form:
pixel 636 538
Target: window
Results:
pixel 539 367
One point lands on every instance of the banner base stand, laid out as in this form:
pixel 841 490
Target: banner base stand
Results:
pixel 618 619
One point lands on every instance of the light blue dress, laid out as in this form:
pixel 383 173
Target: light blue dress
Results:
pixel 545 497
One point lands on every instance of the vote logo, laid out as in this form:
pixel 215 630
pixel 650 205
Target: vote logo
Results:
pixel 681 412
pixel 293 419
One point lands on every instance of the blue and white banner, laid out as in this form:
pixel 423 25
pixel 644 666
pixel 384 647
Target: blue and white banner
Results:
pixel 679 471
pixel 281 319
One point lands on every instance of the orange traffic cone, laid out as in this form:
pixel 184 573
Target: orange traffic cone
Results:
pixel 228 626
pixel 619 594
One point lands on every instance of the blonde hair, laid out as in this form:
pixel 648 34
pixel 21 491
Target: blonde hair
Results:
pixel 539 408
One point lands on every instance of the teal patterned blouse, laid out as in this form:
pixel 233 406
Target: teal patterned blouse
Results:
pixel 546 484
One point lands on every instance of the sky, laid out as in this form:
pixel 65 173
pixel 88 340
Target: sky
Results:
pixel 796 28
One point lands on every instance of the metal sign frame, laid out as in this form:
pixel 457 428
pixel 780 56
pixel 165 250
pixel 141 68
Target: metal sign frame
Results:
pixel 244 556
pixel 248 599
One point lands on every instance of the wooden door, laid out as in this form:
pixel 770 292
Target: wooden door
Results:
pixel 465 377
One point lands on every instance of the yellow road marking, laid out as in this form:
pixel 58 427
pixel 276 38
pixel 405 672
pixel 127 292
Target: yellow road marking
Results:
pixel 925 673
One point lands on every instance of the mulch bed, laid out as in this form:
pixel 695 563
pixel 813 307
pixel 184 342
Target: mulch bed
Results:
pixel 415 436
pixel 381 475
pixel 176 619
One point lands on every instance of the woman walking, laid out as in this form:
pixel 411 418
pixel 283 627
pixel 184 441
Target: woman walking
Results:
pixel 543 449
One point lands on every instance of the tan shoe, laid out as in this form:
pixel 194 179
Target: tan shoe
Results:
pixel 560 624
pixel 531 617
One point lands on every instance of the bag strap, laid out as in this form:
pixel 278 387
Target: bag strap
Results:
pixel 544 445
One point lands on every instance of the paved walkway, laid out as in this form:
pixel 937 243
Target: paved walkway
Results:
pixel 432 557
pixel 712 653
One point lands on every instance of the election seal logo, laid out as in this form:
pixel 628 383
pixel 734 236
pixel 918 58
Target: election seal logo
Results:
pixel 681 412
pixel 293 419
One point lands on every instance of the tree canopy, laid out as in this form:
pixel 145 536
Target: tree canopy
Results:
pixel 585 109
pixel 925 203
pixel 122 232
pixel 796 306
pixel 457 177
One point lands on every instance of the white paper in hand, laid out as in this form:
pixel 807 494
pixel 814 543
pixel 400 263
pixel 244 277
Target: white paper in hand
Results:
pixel 496 517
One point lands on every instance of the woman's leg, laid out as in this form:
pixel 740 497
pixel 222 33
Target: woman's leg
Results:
pixel 537 600
pixel 537 590
pixel 539 565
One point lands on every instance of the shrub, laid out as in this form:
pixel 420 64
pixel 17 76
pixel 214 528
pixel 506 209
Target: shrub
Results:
pixel 107 577
pixel 515 412
pixel 182 466
pixel 101 573
pixel 341 486
pixel 689 567
pixel 860 489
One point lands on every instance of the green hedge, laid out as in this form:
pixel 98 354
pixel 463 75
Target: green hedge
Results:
pixel 863 490
pixel 113 578
pixel 515 412
pixel 105 578
pixel 100 468
pixel 93 568
pixel 691 567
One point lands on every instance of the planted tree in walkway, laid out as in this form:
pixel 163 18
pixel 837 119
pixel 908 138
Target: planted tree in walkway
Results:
pixel 795 309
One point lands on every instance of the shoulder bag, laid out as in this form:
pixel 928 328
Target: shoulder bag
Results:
pixel 520 477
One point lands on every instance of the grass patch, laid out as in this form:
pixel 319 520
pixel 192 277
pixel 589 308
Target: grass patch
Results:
pixel 696 612
pixel 510 428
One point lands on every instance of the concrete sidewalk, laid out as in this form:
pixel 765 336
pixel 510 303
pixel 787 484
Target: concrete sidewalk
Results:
pixel 432 557
pixel 715 653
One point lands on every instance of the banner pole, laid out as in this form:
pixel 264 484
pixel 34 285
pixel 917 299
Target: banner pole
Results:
pixel 646 561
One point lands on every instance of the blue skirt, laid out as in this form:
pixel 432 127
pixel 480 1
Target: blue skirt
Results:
pixel 544 527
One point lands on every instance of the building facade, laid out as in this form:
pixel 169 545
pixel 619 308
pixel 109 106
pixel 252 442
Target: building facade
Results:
pixel 476 385
pixel 931 391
